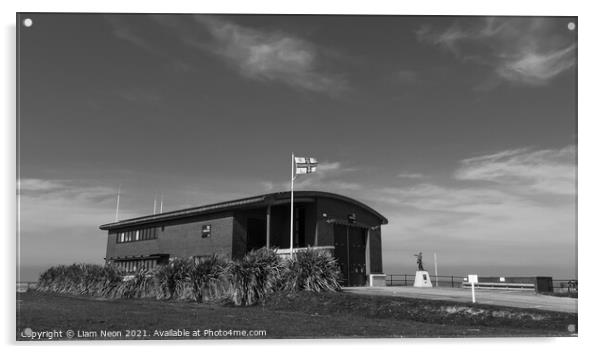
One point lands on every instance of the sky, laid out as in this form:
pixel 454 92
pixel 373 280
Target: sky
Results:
pixel 460 130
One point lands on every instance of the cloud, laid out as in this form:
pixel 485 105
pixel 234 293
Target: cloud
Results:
pixel 410 175
pixel 328 166
pixel 58 222
pixel 271 56
pixel 513 207
pixel 550 171
pixel 62 203
pixel 536 68
pixel 525 50
pixel 330 176
pixel 35 185
pixel 268 56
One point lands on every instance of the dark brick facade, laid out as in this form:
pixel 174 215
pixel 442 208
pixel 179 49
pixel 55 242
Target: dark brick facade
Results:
pixel 239 226
pixel 182 239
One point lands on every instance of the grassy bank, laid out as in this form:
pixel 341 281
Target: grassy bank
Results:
pixel 302 315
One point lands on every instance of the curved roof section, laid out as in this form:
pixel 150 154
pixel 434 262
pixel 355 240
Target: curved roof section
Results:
pixel 243 203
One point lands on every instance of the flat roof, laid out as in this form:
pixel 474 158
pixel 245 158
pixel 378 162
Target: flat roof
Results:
pixel 259 200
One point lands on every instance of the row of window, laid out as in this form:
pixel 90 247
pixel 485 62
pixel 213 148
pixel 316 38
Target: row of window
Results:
pixel 134 265
pixel 137 235
pixel 151 234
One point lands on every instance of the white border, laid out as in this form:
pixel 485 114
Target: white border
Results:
pixel 590 178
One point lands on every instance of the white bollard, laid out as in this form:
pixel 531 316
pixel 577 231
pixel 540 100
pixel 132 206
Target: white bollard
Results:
pixel 473 279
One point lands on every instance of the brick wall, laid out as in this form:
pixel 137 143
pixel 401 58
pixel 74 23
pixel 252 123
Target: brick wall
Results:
pixel 180 239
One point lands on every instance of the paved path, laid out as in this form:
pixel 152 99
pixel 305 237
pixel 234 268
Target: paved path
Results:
pixel 513 298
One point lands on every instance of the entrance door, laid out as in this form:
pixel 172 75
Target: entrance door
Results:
pixel 357 256
pixel 256 233
pixel 350 252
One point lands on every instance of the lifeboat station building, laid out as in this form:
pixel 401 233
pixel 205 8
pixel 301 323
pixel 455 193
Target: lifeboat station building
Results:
pixel 348 228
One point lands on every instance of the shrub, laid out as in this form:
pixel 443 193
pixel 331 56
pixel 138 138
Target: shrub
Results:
pixel 80 279
pixel 245 282
pixel 173 280
pixel 210 279
pixel 257 275
pixel 312 270
pixel 141 284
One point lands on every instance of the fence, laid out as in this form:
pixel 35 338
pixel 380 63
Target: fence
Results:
pixel 24 286
pixel 448 281
pixel 455 281
pixel 565 285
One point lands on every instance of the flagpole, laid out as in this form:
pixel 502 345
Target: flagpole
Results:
pixel 117 207
pixel 155 205
pixel 292 188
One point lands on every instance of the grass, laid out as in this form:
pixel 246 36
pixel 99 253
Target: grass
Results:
pixel 299 315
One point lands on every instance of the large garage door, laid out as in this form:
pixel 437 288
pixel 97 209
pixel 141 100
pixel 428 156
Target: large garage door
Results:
pixel 350 252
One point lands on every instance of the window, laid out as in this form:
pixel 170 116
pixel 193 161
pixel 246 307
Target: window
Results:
pixel 206 231
pixel 137 235
pixel 134 265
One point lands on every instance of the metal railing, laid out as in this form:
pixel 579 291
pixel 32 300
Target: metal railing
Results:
pixel 24 286
pixel 448 281
pixel 456 281
pixel 564 285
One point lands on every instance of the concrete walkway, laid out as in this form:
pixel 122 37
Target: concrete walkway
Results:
pixel 513 298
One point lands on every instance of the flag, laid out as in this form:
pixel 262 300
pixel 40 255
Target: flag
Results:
pixel 305 165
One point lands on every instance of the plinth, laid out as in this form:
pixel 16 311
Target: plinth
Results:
pixel 422 279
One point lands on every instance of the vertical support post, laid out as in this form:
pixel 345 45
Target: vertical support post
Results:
pixel 292 202
pixel 368 270
pixel 267 226
pixel 316 230
pixel 452 279
pixel 473 298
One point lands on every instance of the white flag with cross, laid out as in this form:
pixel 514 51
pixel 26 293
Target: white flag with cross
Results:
pixel 304 165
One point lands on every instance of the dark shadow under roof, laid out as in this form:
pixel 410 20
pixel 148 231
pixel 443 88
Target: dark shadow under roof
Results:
pixel 259 200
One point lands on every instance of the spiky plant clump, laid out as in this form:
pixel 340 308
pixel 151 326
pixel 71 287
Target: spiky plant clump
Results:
pixel 79 279
pixel 312 270
pixel 141 284
pixel 173 280
pixel 101 280
pixel 254 277
pixel 209 278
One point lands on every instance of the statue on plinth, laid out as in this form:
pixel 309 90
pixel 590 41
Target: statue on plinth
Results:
pixel 422 279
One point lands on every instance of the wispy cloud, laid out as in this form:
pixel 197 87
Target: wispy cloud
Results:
pixel 515 199
pixel 39 189
pixel 410 175
pixel 525 50
pixel 57 217
pixel 271 56
pixel 547 171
